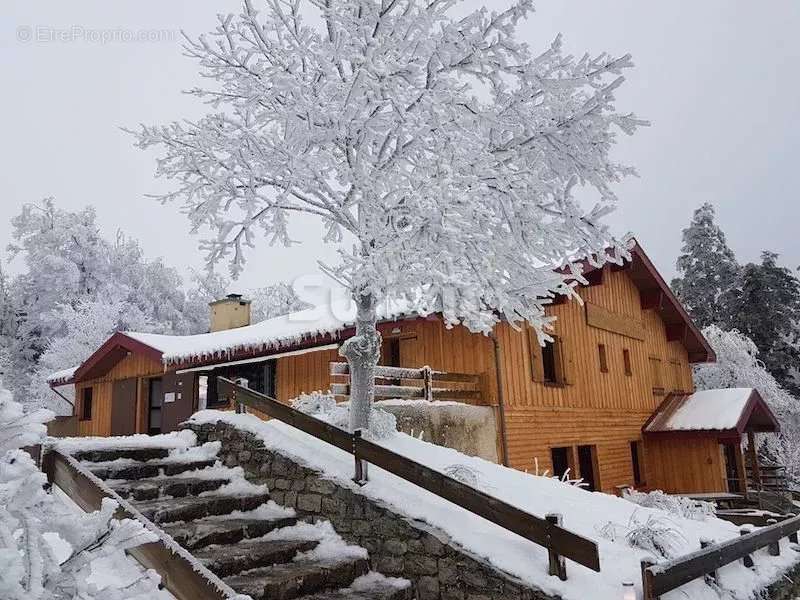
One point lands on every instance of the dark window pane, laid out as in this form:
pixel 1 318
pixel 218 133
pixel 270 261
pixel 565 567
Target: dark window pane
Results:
pixel 549 368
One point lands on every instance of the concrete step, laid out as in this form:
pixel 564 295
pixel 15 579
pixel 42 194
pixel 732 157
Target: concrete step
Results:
pixel 379 591
pixel 204 532
pixel 225 561
pixel 295 579
pixel 166 510
pixel 158 487
pixel 145 470
pixel 140 454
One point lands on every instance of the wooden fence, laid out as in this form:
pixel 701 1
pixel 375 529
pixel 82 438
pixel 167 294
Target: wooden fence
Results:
pixel 548 532
pixel 184 578
pixel 423 383
pixel 658 579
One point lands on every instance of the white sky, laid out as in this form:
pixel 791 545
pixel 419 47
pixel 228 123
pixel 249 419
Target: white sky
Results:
pixel 717 78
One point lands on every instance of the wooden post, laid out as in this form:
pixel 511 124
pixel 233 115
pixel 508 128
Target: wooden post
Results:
pixel 774 548
pixel 647 580
pixel 711 578
pixel 427 383
pixel 558 565
pixel 747 560
pixel 361 476
pixel 792 536
pixel 751 450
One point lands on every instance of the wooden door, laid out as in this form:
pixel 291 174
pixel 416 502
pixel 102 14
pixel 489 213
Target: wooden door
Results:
pixel 587 462
pixel 123 407
pixel 178 400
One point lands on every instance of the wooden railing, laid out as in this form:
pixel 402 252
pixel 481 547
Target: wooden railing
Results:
pixel 423 383
pixel 658 579
pixel 548 532
pixel 183 577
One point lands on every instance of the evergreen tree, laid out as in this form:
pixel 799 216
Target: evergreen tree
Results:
pixel 767 309
pixel 707 270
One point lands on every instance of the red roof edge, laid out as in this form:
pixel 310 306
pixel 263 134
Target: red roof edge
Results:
pixel 755 401
pixel 710 355
pixel 104 360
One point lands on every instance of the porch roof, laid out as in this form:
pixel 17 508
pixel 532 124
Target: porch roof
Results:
pixel 722 412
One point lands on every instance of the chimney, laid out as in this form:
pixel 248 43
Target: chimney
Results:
pixel 231 312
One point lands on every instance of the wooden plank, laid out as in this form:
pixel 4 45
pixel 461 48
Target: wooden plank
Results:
pixel 384 372
pixel 602 318
pixel 319 429
pixel 382 391
pixel 449 394
pixel 566 543
pixel 179 573
pixel 675 573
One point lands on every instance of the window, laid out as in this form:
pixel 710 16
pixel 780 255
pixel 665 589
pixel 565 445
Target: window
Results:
pixel 202 392
pixel 601 353
pixel 549 363
pixel 260 377
pixel 626 360
pixel 562 459
pixel 86 404
pixel 677 378
pixel 636 461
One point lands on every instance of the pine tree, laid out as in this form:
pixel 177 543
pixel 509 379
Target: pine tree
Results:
pixel 707 270
pixel 767 309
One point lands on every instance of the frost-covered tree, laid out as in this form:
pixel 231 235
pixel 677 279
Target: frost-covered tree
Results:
pixel 767 310
pixel 438 151
pixel 273 301
pixel 738 365
pixel 707 270
pixel 86 327
pixel 30 517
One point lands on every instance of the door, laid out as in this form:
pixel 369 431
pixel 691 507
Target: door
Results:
pixel 587 462
pixel 731 453
pixel 561 458
pixel 123 407
pixel 178 400
pixel 155 400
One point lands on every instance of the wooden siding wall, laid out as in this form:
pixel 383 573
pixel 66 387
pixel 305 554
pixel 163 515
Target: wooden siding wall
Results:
pixel 606 410
pixel 689 465
pixel 134 365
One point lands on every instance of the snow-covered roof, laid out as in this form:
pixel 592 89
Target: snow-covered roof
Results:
pixel 283 331
pixel 726 410
pixel 63 376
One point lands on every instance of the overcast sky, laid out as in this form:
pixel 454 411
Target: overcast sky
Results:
pixel 717 78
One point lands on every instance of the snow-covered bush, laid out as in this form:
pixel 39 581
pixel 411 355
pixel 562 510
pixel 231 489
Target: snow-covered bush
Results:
pixel 655 535
pixel 30 517
pixel 382 424
pixel 696 510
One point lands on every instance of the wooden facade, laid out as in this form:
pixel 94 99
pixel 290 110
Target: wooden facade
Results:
pixel 613 360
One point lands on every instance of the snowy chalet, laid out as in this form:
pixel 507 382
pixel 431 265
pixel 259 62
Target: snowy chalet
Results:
pixel 611 400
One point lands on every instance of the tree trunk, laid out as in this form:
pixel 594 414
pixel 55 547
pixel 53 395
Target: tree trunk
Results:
pixel 362 352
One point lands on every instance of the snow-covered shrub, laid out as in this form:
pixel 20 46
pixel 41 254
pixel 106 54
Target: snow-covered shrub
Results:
pixel 30 517
pixel 680 506
pixel 656 535
pixel 382 424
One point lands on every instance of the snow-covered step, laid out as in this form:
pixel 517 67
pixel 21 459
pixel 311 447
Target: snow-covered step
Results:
pixel 158 487
pixel 205 532
pixel 145 470
pixel 299 578
pixel 166 510
pixel 372 586
pixel 229 560
pixel 107 455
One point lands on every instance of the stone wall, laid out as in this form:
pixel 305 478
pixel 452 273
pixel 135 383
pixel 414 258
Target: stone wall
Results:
pixel 397 546
pixel 472 430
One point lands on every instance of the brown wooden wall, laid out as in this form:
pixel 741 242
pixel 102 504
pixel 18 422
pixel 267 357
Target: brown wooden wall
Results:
pixel 687 465
pixel 134 365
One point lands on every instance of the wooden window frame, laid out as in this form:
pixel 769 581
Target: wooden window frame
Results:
pixel 637 463
pixel 602 355
pixel 87 415
pixel 536 356
pixel 626 362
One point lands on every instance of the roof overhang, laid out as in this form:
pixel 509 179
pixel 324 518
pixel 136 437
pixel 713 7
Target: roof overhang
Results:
pixel 107 356
pixel 754 416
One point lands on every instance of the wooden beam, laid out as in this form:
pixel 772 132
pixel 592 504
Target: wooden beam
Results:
pixel 602 318
pixel 676 332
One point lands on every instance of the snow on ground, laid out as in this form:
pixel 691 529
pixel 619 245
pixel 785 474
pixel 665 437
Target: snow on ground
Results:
pixel 601 517
pixel 331 546
pixel 174 440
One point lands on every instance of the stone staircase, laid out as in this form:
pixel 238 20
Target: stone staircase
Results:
pixel 231 526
